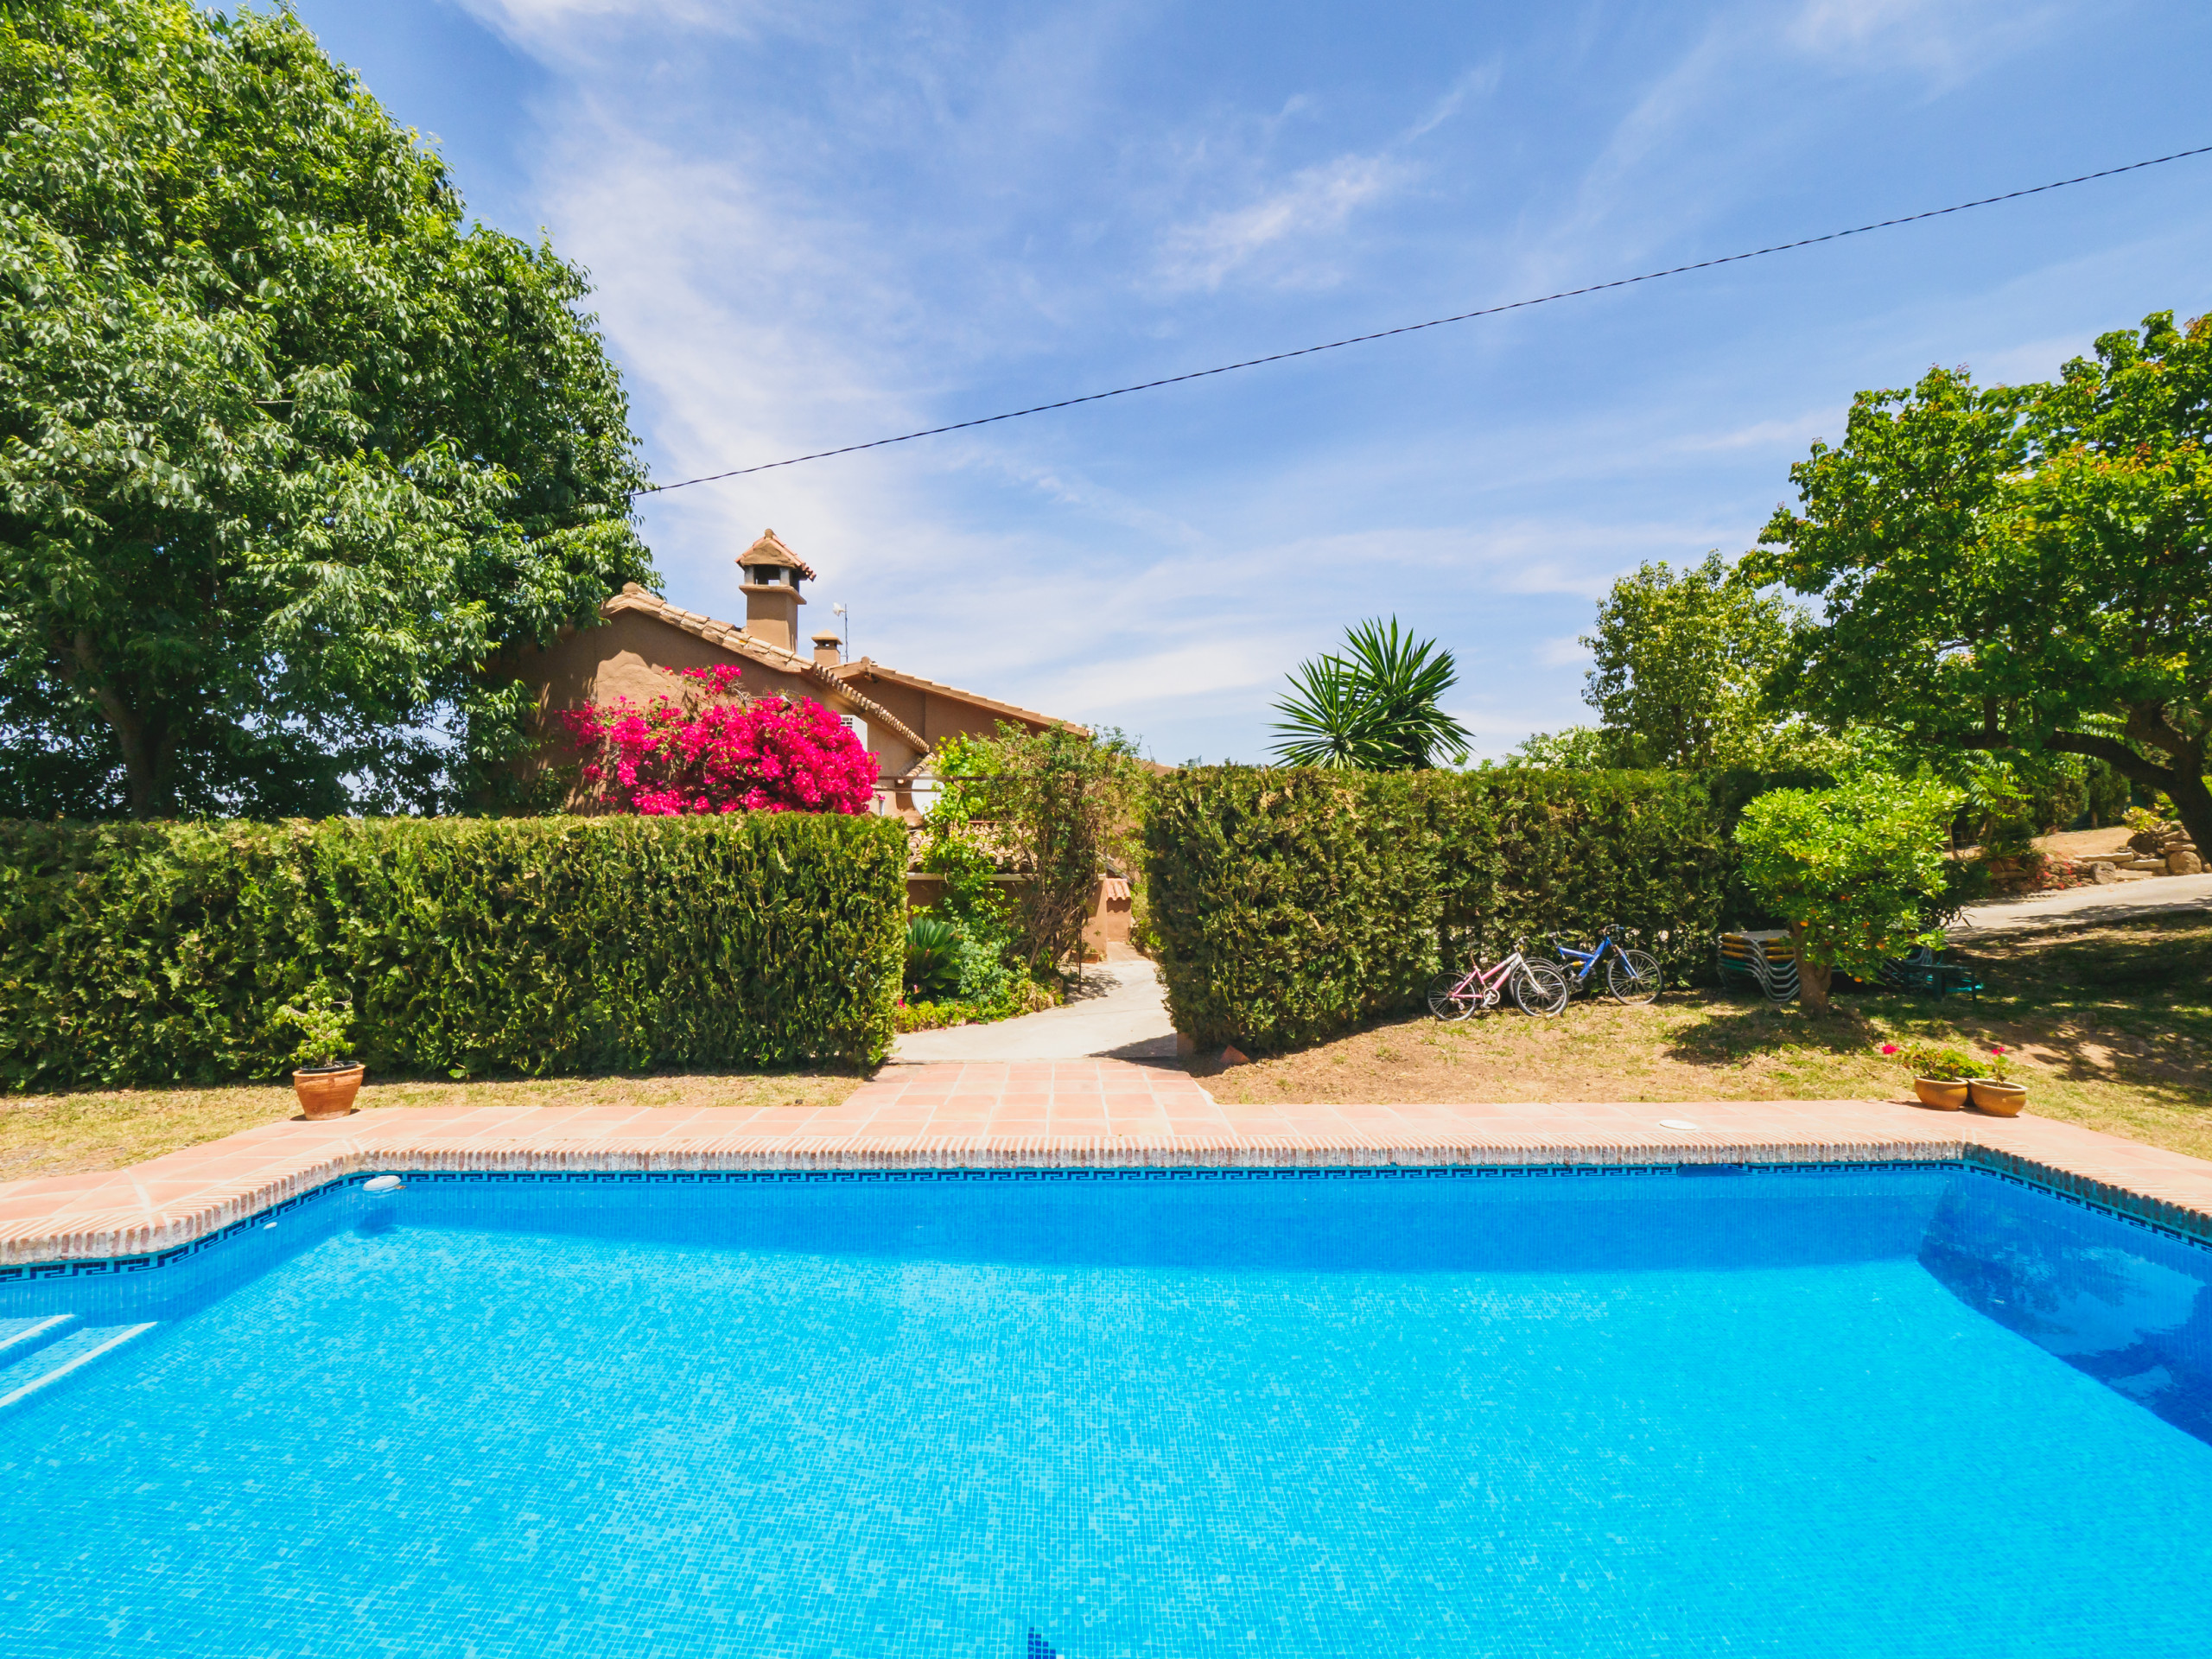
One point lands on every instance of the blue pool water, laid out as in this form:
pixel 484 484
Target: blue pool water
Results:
pixel 1887 1412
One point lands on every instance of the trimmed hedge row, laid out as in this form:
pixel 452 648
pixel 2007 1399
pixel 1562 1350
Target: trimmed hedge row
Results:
pixel 145 953
pixel 1291 904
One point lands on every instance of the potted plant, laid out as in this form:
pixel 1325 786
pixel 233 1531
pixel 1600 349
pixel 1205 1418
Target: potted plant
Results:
pixel 325 1082
pixel 1939 1075
pixel 1994 1092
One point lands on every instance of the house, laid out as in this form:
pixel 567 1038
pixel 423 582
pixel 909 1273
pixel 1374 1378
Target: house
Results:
pixel 899 717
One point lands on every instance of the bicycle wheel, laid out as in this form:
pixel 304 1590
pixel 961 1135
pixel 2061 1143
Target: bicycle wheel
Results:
pixel 1443 1003
pixel 1540 989
pixel 1633 976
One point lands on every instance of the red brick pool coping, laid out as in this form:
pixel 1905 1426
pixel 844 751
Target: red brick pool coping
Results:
pixel 1098 1114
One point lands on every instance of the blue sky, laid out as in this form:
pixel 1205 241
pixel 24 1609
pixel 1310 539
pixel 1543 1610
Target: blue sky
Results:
pixel 815 224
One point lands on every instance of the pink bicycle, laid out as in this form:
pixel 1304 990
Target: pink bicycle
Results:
pixel 1538 986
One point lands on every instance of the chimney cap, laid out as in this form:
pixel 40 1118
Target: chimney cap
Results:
pixel 827 637
pixel 770 551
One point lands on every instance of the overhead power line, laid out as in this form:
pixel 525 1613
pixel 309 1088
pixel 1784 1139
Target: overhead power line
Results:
pixel 1433 322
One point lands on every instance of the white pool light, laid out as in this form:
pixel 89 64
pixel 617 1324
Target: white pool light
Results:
pixel 382 1184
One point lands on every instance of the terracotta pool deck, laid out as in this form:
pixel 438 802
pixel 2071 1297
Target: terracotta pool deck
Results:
pixel 1066 1114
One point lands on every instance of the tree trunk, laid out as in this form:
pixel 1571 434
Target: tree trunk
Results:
pixel 2193 800
pixel 1811 976
pixel 2182 783
pixel 149 755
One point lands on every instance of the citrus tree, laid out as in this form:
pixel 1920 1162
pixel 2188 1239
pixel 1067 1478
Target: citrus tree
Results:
pixel 287 448
pixel 1855 870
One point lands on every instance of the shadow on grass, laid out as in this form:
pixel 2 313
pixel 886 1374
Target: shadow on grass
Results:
pixel 1732 1030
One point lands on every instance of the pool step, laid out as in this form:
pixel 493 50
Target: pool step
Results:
pixel 51 1349
pixel 26 1334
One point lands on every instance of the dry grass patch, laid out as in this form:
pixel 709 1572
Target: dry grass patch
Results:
pixel 2112 1026
pixel 60 1135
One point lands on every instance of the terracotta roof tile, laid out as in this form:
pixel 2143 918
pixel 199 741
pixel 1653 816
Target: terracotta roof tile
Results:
pixel 868 668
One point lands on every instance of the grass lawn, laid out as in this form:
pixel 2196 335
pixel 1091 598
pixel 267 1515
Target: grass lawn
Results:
pixel 57 1135
pixel 2111 1025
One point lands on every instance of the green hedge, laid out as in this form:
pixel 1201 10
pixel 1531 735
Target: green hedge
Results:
pixel 145 953
pixel 1291 904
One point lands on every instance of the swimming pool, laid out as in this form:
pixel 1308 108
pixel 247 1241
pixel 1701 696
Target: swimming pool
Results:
pixel 1882 1410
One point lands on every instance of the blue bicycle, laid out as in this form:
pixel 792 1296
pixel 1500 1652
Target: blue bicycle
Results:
pixel 1632 977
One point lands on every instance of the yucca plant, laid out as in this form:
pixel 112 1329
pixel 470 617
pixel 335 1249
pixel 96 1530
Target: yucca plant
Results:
pixel 1374 707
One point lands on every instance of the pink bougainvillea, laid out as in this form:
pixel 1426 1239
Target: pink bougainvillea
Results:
pixel 718 751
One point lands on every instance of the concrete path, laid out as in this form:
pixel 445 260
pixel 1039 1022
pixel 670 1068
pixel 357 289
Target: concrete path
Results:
pixel 2081 907
pixel 1122 1014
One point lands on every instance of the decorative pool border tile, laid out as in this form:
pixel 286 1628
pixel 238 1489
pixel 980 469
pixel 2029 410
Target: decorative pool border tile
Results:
pixel 2159 1215
pixel 1099 1117
pixel 111 1267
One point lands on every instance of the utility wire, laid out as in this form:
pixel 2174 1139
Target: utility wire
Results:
pixel 1434 323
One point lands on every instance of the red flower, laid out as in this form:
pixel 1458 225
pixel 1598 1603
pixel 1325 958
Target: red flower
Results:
pixel 1889 1048
pixel 1997 1048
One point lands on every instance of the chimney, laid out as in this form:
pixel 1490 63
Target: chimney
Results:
pixel 773 574
pixel 826 653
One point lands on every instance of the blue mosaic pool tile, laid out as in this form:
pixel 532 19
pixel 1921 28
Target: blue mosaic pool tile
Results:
pixel 1782 1412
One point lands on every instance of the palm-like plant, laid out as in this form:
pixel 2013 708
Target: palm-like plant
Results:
pixel 1372 707
pixel 932 958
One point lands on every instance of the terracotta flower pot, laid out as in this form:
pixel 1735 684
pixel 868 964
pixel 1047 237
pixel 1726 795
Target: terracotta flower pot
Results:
pixel 1941 1093
pixel 327 1090
pixel 1999 1099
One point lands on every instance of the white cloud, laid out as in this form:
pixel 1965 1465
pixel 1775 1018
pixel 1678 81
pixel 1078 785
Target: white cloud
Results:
pixel 1316 203
pixel 1568 651
pixel 1793 434
pixel 1947 40
pixel 828 224
pixel 1479 82
pixel 2031 359
pixel 539 24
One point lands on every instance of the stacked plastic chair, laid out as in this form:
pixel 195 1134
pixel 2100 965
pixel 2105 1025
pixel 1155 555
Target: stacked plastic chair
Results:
pixel 1924 971
pixel 1765 959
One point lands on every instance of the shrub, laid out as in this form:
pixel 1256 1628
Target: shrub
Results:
pixel 1290 905
pixel 1854 870
pixel 973 907
pixel 1057 806
pixel 719 750
pixel 157 952
pixel 1017 997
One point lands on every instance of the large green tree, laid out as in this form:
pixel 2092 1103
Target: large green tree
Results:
pixel 1680 663
pixel 2020 568
pixel 287 450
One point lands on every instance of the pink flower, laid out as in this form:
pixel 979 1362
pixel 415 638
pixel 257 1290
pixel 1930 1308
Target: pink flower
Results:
pixel 768 754
pixel 1889 1048
pixel 1997 1048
